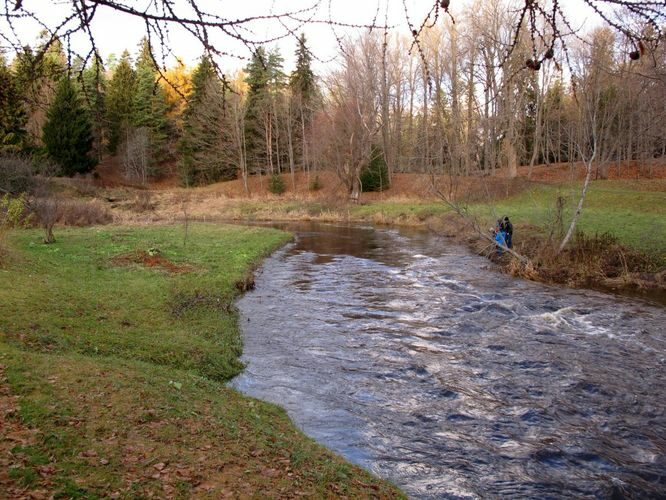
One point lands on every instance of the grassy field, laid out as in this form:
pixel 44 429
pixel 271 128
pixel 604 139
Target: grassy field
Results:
pixel 634 211
pixel 630 210
pixel 114 346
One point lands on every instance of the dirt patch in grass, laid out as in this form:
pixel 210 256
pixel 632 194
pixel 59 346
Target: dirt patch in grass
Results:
pixel 150 259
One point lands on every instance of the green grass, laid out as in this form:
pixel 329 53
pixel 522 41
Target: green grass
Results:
pixel 73 296
pixel 119 371
pixel 104 425
pixel 637 217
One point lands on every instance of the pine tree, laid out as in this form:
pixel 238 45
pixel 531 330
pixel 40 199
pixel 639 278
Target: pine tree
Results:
pixel 37 75
pixel 266 83
pixel 67 133
pixel 13 117
pixel 120 101
pixel 256 109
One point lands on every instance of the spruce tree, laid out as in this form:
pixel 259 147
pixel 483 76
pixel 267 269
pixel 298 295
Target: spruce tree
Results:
pixel 150 103
pixel 13 117
pixel 67 133
pixel 302 81
pixel 266 83
pixel 258 104
pixel 374 177
pixel 202 145
pixel 37 75
pixel 304 92
pixel 93 85
pixel 120 101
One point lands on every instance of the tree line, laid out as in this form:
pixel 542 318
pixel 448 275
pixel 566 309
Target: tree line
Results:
pixel 212 128
pixel 457 105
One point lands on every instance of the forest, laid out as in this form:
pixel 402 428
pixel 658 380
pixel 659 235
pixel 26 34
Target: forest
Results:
pixel 457 106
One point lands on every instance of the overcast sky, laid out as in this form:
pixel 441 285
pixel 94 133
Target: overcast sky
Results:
pixel 115 32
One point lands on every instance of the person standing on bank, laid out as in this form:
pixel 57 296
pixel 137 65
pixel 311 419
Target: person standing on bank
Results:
pixel 500 236
pixel 508 231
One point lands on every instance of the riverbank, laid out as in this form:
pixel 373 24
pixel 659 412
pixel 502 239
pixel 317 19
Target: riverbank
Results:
pixel 620 246
pixel 115 344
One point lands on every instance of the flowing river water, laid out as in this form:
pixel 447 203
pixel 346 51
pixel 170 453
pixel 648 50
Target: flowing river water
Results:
pixel 413 358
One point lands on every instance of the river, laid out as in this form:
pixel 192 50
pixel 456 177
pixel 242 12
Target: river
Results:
pixel 415 359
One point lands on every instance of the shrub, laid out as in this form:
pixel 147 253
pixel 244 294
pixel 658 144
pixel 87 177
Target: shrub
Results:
pixel 47 211
pixel 13 211
pixel 16 173
pixel 374 177
pixel 84 184
pixel 315 184
pixel 276 184
pixel 143 202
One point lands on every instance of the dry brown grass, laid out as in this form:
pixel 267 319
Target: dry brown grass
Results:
pixel 626 170
pixel 73 212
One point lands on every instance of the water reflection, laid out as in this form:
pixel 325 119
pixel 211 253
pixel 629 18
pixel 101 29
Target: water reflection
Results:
pixel 407 355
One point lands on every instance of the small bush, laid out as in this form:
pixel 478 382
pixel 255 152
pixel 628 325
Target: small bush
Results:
pixel 16 173
pixel 315 184
pixel 374 176
pixel 143 202
pixel 14 211
pixel 47 211
pixel 276 185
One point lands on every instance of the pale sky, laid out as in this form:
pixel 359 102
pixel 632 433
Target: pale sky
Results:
pixel 115 32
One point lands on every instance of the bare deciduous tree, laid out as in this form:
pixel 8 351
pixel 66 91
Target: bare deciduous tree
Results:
pixel 352 114
pixel 136 154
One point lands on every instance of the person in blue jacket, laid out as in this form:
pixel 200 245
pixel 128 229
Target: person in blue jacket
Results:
pixel 500 236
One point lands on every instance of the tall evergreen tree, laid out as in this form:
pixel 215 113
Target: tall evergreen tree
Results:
pixel 37 75
pixel 13 117
pixel 202 145
pixel 265 80
pixel 67 133
pixel 150 103
pixel 302 81
pixel 120 101
pixel 257 102
pixel 304 92
pixel 93 85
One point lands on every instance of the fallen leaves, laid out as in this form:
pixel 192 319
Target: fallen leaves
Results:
pixel 15 437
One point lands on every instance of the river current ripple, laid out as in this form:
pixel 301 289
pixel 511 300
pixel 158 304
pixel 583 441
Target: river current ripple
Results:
pixel 413 358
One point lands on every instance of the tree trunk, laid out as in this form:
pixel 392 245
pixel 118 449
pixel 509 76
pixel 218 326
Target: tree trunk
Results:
pixel 579 207
pixel 48 234
pixel 355 191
